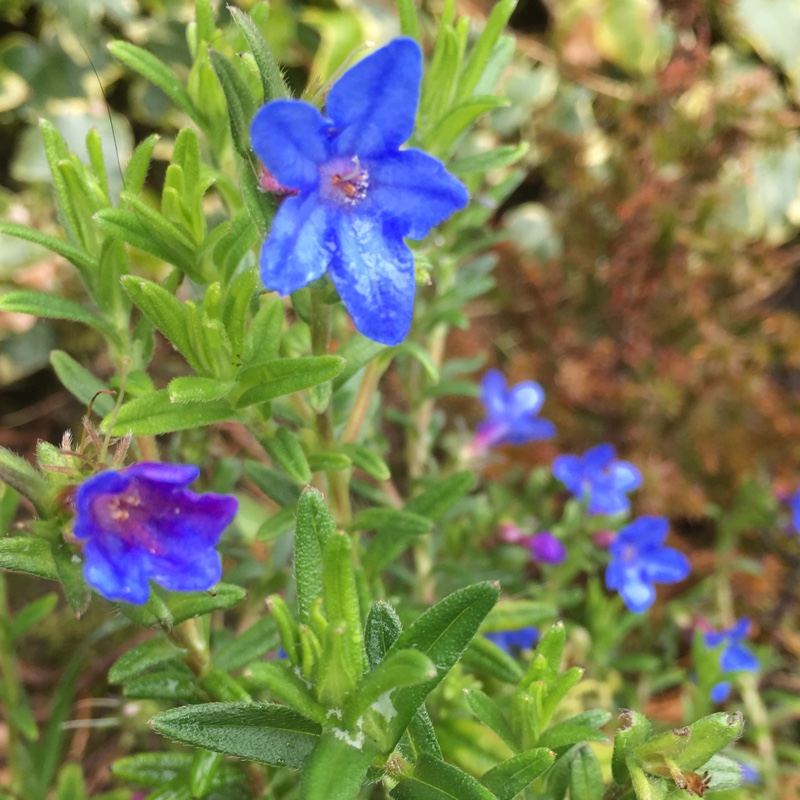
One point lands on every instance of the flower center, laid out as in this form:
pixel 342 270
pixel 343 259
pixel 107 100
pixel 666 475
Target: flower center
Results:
pixel 348 180
pixel 126 517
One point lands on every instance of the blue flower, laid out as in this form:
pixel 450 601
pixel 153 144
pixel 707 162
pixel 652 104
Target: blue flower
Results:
pixel 510 413
pixel 546 548
pixel 358 194
pixel 794 505
pixel 639 559
pixel 141 523
pixel 512 641
pixel 735 657
pixel 598 477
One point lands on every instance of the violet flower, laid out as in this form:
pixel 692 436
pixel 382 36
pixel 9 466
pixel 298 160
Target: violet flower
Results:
pixel 599 478
pixel 514 641
pixel 546 548
pixel 141 523
pixel 358 194
pixel 735 657
pixel 639 559
pixel 511 414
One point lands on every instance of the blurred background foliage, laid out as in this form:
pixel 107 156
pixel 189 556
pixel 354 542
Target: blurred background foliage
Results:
pixel 647 272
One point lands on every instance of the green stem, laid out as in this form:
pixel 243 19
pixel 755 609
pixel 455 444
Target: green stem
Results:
pixel 189 636
pixel 12 691
pixel 361 404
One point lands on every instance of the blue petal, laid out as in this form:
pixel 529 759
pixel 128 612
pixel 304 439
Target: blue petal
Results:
pixel 107 482
pixel 666 566
pixel 292 139
pixel 714 639
pixel 625 476
pixel 599 457
pixel 645 532
pixel 740 629
pixel 374 275
pixel 531 430
pixel 637 595
pixel 157 472
pixel 493 393
pixel 721 691
pixel 569 470
pixel 795 506
pixel 525 398
pixel 607 502
pixel 117 571
pixel 299 247
pixel 615 574
pixel 381 90
pixel 191 570
pixel 415 191
pixel 737 658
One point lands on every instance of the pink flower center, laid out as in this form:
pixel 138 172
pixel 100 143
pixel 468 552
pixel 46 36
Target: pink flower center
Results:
pixel 345 180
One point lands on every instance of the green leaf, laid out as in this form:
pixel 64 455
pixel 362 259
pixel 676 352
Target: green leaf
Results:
pixel 442 633
pixel 286 375
pixel 382 629
pixel 263 338
pixel 515 614
pixel 486 710
pixel 328 460
pixel 287 627
pixel 21 476
pixel 287 687
pixel 357 352
pixel 436 780
pixel 158 73
pixel 496 158
pixel 223 687
pixel 314 527
pixel 336 768
pixel 156 414
pixel 31 614
pixel 508 779
pixel 70 572
pixel 576 729
pixel 441 495
pixel 479 58
pixel 70 783
pixel 367 459
pixel 400 668
pixel 272 81
pixel 263 732
pixel 153 612
pixel 151 769
pixel 285 450
pixel 147 655
pixel 273 483
pixel 205 764
pixel 241 105
pixel 53 307
pixel 186 605
pixel 485 656
pixel 547 657
pixel 24 554
pixel 634 730
pixel 409 26
pixel 260 638
pixel 238 297
pixel 396 530
pixel 585 777
pixel 198 390
pixel 173 684
pixel 138 166
pixel 81 383
pixel 446 132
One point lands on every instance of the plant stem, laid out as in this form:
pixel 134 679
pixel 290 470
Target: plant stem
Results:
pixel 12 691
pixel 366 391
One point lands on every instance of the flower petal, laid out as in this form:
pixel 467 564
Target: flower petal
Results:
pixel 493 393
pixel 292 139
pixel 525 398
pixel 737 658
pixel 645 532
pixel 117 571
pixel 599 457
pixel 374 274
pixel 637 595
pixel 569 470
pixel 415 191
pixel 533 429
pixel 721 692
pixel 381 90
pixel 607 502
pixel 666 565
pixel 625 476
pixel 107 482
pixel 190 570
pixel 157 472
pixel 300 245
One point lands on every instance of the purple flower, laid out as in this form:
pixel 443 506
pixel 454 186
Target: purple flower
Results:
pixel 794 505
pixel 511 641
pixel 358 194
pixel 546 548
pixel 598 477
pixel 639 559
pixel 141 523
pixel 510 413
pixel 735 657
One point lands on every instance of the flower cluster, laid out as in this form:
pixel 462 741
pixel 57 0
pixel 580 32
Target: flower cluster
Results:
pixel 734 657
pixel 142 523
pixel 599 479
pixel 511 414
pixel 352 194
pixel 639 559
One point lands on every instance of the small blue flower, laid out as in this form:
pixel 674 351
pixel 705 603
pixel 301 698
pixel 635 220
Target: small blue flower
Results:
pixel 598 477
pixel 546 548
pixel 639 559
pixel 514 641
pixel 794 505
pixel 510 413
pixel 358 194
pixel 735 657
pixel 750 774
pixel 141 523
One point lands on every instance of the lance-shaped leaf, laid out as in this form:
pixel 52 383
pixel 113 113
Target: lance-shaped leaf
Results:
pixel 508 779
pixel 185 605
pixel 70 573
pixel 436 780
pixel 287 687
pixel 337 767
pixel 263 732
pixel 286 375
pixel 272 81
pixel 147 655
pixel 21 476
pixel 52 306
pixel 260 638
pixel 382 630
pixel 634 730
pixel 25 554
pixel 486 710
pixel 441 495
pixel 367 459
pixel 396 530
pixel 314 527
pixel 200 390
pixel 484 655
pixel 241 105
pixel 178 685
pixel 285 450
pixel 442 633
pixel 585 777
pixel 80 382
pixel 151 769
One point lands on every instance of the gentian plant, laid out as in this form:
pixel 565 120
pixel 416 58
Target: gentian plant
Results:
pixel 326 614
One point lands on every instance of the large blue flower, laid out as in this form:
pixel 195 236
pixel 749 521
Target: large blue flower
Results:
pixel 358 194
pixel 597 476
pixel 511 414
pixel 735 657
pixel 639 559
pixel 141 523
